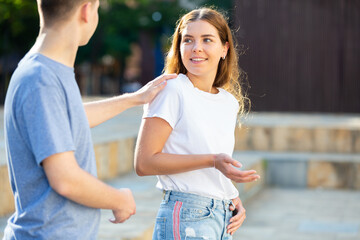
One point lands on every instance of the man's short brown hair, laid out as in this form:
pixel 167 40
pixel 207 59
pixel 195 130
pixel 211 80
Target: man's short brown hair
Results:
pixel 59 9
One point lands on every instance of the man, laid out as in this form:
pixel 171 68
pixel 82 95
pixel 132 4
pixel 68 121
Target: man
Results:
pixel 50 154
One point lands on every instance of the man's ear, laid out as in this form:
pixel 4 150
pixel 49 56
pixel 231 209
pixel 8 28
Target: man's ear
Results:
pixel 85 11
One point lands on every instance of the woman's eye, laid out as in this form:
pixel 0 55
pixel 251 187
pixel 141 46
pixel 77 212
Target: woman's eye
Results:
pixel 207 40
pixel 187 40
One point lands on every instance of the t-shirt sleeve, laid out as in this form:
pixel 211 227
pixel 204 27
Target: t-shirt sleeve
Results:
pixel 46 122
pixel 166 105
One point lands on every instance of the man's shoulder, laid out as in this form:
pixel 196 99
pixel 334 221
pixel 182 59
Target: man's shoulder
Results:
pixel 32 74
pixel 30 78
pixel 32 67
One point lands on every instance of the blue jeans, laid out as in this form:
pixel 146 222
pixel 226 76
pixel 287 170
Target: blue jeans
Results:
pixel 186 216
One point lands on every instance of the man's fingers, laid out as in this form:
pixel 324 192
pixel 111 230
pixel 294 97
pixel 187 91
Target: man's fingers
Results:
pixel 164 77
pixel 161 85
pixel 122 217
pixel 118 220
pixel 115 221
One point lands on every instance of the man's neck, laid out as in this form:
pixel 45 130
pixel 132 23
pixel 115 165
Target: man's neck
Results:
pixel 56 44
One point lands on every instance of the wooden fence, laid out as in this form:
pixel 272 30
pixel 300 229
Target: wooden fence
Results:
pixel 303 55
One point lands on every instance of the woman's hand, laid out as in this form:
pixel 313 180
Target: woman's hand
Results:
pixel 225 164
pixel 239 216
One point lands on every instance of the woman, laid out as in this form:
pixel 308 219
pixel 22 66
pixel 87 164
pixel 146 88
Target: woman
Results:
pixel 187 133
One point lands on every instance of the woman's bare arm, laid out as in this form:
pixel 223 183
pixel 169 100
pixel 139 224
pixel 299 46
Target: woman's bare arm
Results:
pixel 150 160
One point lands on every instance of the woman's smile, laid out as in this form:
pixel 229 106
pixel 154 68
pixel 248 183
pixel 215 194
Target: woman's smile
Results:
pixel 197 60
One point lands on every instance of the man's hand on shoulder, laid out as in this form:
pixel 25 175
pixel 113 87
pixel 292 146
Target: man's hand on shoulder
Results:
pixel 148 92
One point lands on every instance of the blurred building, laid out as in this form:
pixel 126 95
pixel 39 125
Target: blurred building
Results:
pixel 302 55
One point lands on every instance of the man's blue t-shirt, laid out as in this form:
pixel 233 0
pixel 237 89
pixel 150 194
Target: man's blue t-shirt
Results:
pixel 44 115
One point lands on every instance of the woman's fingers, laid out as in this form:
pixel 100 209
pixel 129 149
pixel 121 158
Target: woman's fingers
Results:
pixel 235 202
pixel 237 220
pixel 243 176
pixel 225 163
pixel 234 226
pixel 236 163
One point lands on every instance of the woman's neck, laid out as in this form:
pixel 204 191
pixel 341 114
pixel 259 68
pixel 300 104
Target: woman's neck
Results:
pixel 203 83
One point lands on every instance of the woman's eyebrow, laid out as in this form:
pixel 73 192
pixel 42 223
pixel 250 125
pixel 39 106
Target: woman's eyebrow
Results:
pixel 204 35
pixel 207 35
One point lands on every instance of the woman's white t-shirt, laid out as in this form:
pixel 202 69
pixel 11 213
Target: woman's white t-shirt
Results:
pixel 202 123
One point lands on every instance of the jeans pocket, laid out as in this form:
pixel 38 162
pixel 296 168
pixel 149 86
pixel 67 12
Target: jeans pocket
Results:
pixel 195 213
pixel 159 229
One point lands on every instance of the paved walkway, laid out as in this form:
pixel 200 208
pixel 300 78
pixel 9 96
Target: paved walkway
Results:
pixel 302 214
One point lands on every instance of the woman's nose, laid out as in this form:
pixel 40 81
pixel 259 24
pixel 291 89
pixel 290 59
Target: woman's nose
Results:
pixel 197 47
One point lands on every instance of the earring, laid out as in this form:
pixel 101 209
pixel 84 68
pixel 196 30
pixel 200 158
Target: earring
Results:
pixel 224 57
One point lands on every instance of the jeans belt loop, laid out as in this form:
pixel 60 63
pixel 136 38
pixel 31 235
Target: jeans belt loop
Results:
pixel 166 195
pixel 214 204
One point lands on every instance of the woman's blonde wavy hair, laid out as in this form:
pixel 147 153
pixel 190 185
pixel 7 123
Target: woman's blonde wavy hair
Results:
pixel 228 73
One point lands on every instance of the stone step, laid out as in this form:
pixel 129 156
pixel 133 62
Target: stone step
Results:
pixel 322 133
pixel 309 170
pixel 6 196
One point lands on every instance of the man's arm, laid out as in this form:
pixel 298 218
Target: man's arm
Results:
pixel 100 111
pixel 69 180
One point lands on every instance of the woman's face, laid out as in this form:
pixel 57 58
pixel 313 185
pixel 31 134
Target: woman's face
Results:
pixel 201 49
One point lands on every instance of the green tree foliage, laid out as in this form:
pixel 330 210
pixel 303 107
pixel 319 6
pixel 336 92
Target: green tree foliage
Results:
pixel 119 26
pixel 121 22
pixel 19 24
